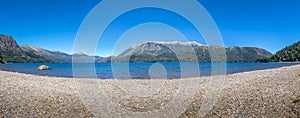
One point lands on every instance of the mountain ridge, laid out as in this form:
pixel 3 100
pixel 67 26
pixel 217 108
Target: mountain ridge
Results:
pixel 60 57
pixel 165 52
pixel 14 53
pixel 11 51
pixel 146 52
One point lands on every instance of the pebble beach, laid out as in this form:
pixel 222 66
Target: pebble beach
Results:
pixel 261 93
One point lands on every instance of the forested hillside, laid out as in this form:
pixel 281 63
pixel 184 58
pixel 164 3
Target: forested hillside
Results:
pixel 288 54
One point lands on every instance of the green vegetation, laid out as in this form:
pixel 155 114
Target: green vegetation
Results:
pixel 2 61
pixel 288 54
pixel 246 54
pixel 263 60
pixel 21 57
pixel 296 101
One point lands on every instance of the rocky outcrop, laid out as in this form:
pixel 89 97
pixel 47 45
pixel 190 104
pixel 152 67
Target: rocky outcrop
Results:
pixel 11 52
pixel 44 67
pixel 8 43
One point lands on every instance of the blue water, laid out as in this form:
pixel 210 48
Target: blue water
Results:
pixel 137 70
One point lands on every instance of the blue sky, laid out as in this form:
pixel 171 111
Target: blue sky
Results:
pixel 53 24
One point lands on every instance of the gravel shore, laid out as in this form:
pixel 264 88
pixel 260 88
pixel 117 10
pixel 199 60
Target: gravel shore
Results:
pixel 262 93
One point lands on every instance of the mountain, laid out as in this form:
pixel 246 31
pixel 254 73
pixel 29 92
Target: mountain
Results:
pixel 55 56
pixel 147 52
pixel 59 57
pixel 11 52
pixel 158 48
pixel 106 59
pixel 288 54
pixel 246 54
pixel 185 51
pixel 84 58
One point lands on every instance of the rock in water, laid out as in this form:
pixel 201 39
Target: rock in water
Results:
pixel 43 67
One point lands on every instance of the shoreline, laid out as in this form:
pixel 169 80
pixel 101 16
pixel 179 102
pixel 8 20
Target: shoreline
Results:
pixel 269 93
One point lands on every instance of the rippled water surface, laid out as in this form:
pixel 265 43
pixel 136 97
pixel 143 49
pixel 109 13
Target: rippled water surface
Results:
pixel 138 70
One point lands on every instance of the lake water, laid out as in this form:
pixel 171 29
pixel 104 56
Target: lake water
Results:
pixel 137 70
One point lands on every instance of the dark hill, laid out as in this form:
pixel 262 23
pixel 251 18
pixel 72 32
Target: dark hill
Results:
pixel 288 54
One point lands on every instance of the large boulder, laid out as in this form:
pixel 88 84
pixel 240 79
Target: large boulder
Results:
pixel 43 67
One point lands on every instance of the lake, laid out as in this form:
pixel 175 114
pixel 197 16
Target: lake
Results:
pixel 141 70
